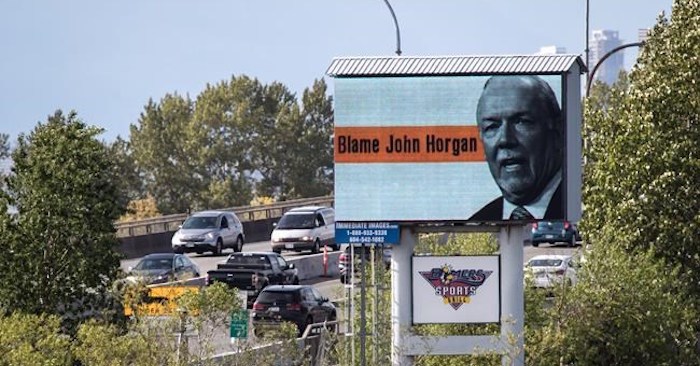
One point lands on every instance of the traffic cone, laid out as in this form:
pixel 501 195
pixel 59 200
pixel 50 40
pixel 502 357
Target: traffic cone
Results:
pixel 325 261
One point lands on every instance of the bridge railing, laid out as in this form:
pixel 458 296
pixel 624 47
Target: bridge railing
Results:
pixel 170 223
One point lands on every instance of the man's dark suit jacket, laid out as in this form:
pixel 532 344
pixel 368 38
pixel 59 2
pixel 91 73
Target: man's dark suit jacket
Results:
pixel 494 210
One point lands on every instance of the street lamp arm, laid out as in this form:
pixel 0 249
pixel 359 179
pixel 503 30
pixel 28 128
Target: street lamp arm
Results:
pixel 595 68
pixel 396 24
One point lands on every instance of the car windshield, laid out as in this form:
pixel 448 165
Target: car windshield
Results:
pixel 545 263
pixel 268 297
pixel 200 222
pixel 150 263
pixel 248 260
pixel 297 221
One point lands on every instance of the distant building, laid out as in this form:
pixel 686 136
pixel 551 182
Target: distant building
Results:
pixel 551 50
pixel 602 42
pixel 643 34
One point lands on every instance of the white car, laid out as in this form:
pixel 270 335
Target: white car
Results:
pixel 548 270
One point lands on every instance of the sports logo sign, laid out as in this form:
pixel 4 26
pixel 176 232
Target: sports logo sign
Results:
pixel 456 289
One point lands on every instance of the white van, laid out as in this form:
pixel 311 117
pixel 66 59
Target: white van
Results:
pixel 305 228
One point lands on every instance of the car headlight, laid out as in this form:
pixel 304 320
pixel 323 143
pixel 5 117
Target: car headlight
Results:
pixel 209 236
pixel 275 240
pixel 306 238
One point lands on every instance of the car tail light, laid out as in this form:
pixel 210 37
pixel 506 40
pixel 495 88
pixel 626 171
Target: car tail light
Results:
pixel 207 281
pixel 566 225
pixel 343 258
pixel 258 306
pixel 294 306
pixel 534 226
pixel 559 272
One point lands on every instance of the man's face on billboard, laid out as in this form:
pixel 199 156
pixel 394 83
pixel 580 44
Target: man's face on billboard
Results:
pixel 519 141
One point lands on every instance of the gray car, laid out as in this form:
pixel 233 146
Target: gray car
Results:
pixel 209 231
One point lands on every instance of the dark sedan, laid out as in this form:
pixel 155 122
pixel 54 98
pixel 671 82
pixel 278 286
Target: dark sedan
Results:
pixel 164 267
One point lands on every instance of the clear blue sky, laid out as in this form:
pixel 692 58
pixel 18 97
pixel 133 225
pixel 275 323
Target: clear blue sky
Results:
pixel 105 59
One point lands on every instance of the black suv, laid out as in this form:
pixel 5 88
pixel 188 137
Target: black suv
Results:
pixel 299 304
pixel 554 232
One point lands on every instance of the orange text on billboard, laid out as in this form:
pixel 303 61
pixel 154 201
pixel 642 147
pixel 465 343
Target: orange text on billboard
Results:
pixel 408 144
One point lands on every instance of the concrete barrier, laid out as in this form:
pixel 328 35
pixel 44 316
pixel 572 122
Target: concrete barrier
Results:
pixel 140 245
pixel 311 266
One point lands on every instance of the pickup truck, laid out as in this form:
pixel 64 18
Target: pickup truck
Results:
pixel 250 272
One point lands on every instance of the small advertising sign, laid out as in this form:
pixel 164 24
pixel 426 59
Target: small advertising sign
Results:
pixel 371 233
pixel 452 289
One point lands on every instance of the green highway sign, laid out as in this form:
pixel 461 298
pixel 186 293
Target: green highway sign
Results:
pixel 239 324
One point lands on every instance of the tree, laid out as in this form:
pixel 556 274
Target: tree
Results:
pixel 60 247
pixel 226 114
pixel 312 175
pixel 29 340
pixel 641 177
pixel 166 147
pixel 141 209
pixel 4 146
pixel 626 309
pixel 126 173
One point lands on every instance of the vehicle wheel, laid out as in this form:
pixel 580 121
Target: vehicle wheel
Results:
pixel 219 247
pixel 257 332
pixel 343 279
pixel 572 242
pixel 535 244
pixel 278 251
pixel 239 245
pixel 179 251
pixel 295 281
pixel 306 324
pixel 317 247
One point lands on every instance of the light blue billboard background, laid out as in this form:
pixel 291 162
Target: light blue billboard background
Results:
pixel 412 191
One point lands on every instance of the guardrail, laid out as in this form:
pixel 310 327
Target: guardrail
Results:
pixel 169 223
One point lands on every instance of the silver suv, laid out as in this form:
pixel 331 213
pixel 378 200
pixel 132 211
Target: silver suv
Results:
pixel 209 231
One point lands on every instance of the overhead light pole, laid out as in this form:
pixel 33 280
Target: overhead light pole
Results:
pixel 587 49
pixel 589 80
pixel 396 25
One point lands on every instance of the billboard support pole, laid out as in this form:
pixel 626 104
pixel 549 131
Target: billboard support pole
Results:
pixel 513 303
pixel 401 311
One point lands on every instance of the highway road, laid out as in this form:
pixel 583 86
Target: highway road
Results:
pixel 330 287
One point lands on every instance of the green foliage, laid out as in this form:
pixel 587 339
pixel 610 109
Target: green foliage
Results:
pixel 31 340
pixel 166 147
pixel 4 146
pixel 626 309
pixel 140 209
pixel 126 173
pixel 107 345
pixel 641 177
pixel 61 245
pixel 238 138
pixel 638 299
pixel 377 314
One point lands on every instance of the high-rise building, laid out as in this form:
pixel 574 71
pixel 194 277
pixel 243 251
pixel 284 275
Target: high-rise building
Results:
pixel 643 34
pixel 551 50
pixel 602 42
